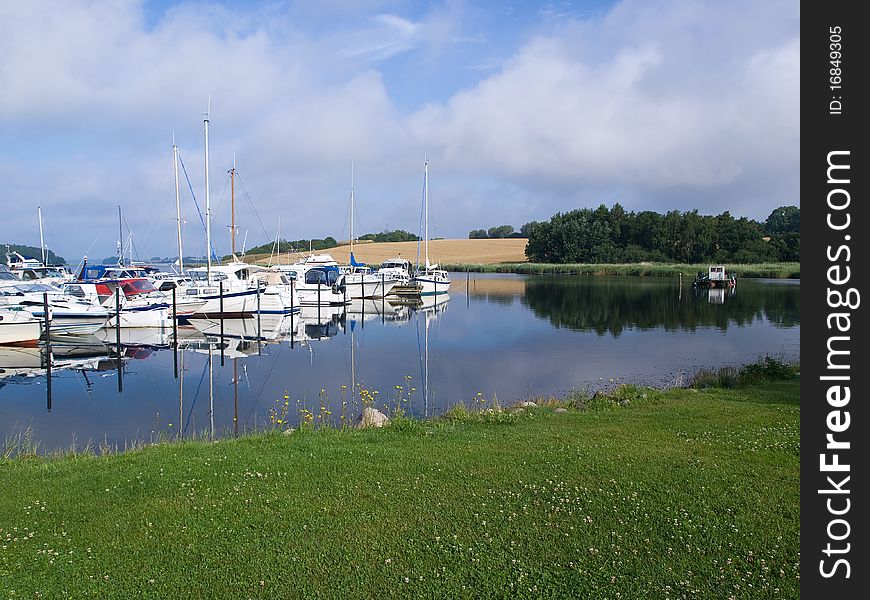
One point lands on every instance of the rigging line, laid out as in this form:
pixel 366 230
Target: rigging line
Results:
pixel 251 203
pixel 195 203
pixel 160 183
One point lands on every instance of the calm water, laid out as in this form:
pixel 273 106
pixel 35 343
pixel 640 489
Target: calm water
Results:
pixel 509 336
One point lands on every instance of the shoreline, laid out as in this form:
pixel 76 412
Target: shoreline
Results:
pixel 688 271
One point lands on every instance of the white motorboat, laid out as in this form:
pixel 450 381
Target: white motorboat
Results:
pixel 19 328
pixel 141 305
pixel 239 290
pixel 315 284
pixel 68 315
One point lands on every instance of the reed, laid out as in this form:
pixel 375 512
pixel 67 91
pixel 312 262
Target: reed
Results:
pixel 759 270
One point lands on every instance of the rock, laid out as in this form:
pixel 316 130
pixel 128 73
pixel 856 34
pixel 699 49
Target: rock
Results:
pixel 371 417
pixel 624 403
pixel 528 403
pixel 560 410
pixel 518 411
pixel 581 406
pixel 289 430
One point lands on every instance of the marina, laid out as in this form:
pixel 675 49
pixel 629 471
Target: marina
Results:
pixel 506 337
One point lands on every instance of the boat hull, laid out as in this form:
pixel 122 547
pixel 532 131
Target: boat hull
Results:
pixel 238 305
pixel 16 329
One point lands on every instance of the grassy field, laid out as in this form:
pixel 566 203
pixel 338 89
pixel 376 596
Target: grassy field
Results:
pixel 681 494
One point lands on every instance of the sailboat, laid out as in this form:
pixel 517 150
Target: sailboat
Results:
pixel 431 280
pixel 359 280
pixel 236 289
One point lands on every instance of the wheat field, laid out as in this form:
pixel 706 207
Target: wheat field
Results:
pixel 485 252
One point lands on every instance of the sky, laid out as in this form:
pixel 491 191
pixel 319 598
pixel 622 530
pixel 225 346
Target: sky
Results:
pixel 523 109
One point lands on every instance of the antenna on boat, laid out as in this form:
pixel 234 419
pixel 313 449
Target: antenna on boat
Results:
pixel 120 239
pixel 41 241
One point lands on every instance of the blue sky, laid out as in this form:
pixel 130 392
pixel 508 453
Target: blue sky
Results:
pixel 524 109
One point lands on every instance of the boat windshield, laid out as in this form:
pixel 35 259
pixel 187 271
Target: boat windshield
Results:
pixel 134 287
pixel 201 277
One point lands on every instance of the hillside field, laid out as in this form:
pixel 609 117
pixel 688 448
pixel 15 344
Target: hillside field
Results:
pixel 485 252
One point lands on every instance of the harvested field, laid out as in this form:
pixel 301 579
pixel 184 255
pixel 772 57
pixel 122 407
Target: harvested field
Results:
pixel 485 252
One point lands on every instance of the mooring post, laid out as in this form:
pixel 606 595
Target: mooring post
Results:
pixel 118 337
pixel 221 295
pixel 383 299
pixel 259 325
pixel 292 310
pixel 47 333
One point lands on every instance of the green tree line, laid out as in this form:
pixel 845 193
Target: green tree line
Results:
pixel 33 252
pixel 612 235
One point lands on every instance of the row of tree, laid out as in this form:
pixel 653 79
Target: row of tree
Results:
pixel 612 235
pixel 501 231
pixel 396 235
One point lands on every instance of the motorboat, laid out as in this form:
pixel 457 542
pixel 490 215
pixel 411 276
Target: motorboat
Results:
pixel 68 315
pixel 19 327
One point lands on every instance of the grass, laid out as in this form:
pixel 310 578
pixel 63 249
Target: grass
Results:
pixel 685 493
pixel 767 270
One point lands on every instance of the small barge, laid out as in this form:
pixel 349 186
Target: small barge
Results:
pixel 716 277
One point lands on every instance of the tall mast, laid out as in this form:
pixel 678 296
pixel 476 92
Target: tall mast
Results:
pixel 233 206
pixel 41 241
pixel 351 206
pixel 426 208
pixel 177 208
pixel 207 203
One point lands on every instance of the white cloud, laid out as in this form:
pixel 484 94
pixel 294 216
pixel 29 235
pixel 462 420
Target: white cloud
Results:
pixel 656 105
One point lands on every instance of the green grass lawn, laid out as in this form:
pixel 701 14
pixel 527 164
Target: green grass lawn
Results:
pixel 688 493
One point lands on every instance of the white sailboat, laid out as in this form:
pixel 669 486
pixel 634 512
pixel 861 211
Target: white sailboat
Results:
pixel 430 278
pixel 236 289
pixel 359 280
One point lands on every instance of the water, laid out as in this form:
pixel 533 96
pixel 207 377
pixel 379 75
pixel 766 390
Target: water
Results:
pixel 510 337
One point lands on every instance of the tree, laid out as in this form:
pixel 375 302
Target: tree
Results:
pixel 526 230
pixel 477 234
pixel 502 231
pixel 785 219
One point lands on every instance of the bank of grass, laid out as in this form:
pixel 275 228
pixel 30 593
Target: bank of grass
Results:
pixel 767 270
pixel 635 493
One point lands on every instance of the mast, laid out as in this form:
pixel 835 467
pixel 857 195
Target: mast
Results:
pixel 426 208
pixel 233 207
pixel 207 203
pixel 351 207
pixel 177 207
pixel 41 241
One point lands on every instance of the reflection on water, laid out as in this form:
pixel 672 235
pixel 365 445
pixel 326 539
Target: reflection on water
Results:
pixel 500 335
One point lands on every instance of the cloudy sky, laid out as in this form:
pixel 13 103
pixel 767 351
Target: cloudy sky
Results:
pixel 524 109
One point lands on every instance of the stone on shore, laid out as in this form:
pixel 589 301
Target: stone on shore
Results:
pixel 371 417
pixel 528 403
pixel 561 410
